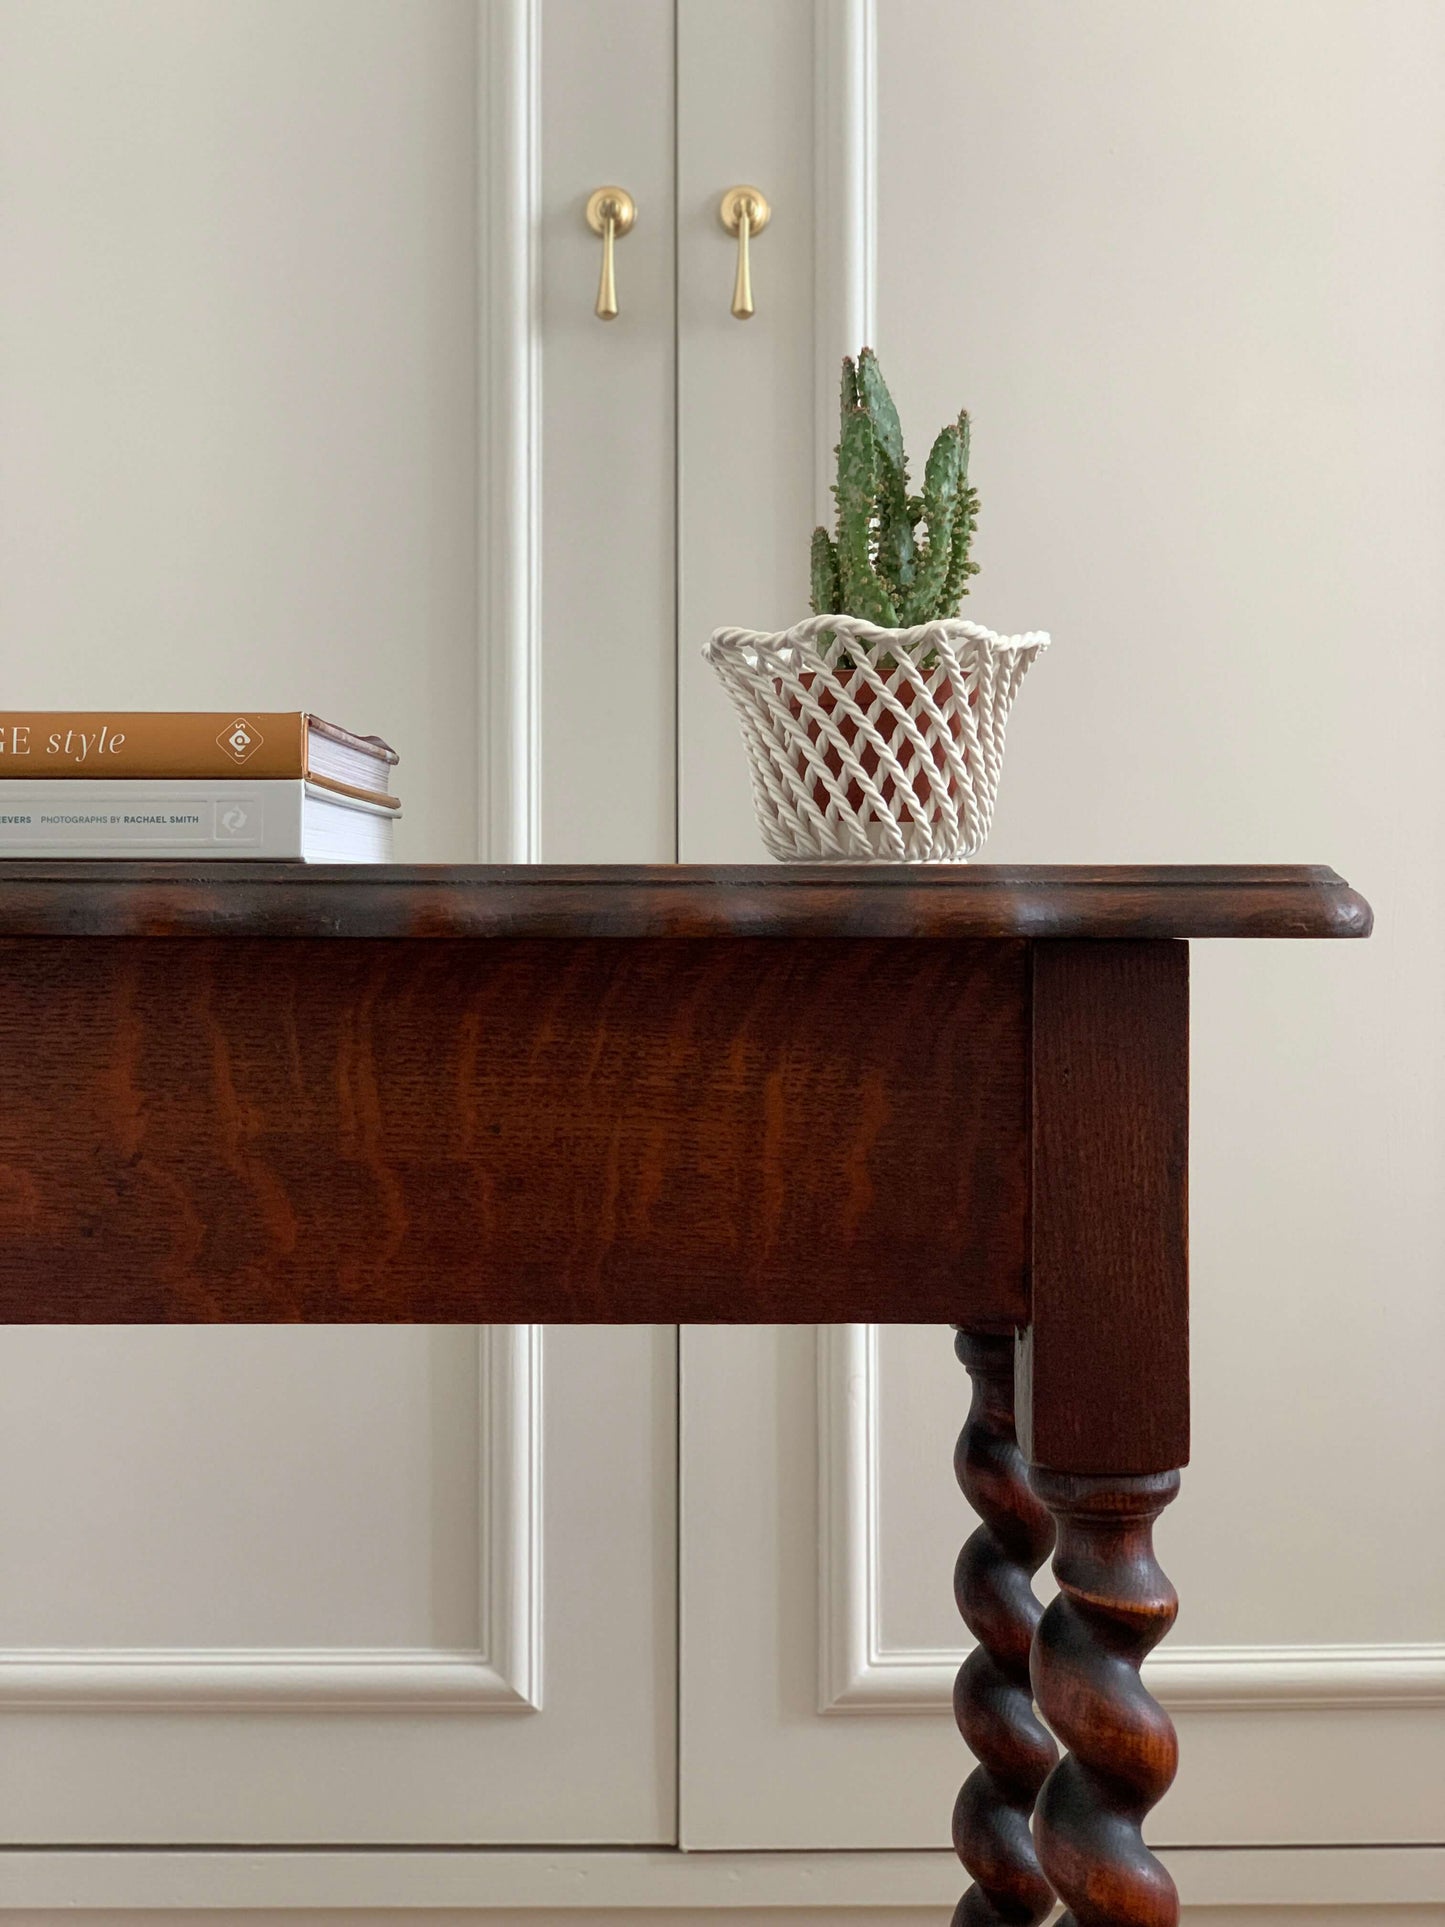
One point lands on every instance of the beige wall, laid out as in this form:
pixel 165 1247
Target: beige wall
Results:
pixel 1186 265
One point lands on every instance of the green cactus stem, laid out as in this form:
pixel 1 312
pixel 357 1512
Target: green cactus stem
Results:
pixel 863 593
pixel 849 398
pixel 960 567
pixel 940 506
pixel 898 559
pixel 873 396
pixel 894 534
pixel 827 591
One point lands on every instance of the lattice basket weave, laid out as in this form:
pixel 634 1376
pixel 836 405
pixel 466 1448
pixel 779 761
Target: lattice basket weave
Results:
pixel 873 745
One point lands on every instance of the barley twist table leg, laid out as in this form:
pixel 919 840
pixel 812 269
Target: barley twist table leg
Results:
pixel 1114 1604
pixel 991 1698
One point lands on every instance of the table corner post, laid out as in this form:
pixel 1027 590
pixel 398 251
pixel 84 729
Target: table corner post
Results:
pixel 1104 1399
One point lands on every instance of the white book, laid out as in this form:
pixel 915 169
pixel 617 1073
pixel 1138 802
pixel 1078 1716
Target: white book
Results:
pixel 279 820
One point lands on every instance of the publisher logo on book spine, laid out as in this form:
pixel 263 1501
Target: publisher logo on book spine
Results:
pixel 238 822
pixel 240 740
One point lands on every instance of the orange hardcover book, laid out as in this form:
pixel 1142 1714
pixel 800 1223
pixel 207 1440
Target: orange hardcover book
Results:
pixel 154 745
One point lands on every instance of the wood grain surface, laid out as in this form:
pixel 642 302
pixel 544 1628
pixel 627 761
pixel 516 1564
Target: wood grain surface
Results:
pixel 1114 1605
pixel 992 1694
pixel 354 900
pixel 240 1129
pixel 1106 1367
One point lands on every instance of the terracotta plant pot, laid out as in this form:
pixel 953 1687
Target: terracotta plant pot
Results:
pixel 921 782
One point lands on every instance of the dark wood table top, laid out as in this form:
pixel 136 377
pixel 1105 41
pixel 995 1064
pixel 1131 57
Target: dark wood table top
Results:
pixel 552 1123
pixel 211 899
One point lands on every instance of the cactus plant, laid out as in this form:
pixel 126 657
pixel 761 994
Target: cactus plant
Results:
pixel 897 559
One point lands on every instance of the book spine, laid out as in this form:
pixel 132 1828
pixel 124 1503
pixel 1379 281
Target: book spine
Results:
pixel 235 819
pixel 383 799
pixel 152 746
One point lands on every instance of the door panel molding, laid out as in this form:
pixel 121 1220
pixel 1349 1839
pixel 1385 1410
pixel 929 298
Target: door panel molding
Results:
pixel 845 213
pixel 509 424
pixel 502 1673
pixel 859 1674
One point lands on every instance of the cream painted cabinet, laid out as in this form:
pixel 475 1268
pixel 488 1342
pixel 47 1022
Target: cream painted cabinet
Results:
pixel 1183 264
pixel 264 264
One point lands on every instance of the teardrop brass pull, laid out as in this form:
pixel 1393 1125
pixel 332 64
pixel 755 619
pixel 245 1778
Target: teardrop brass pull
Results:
pixel 610 213
pixel 745 212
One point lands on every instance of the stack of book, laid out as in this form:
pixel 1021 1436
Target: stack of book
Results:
pixel 284 786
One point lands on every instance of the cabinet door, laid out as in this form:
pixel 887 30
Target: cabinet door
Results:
pixel 1172 260
pixel 819 1525
pixel 340 1585
pixel 337 1585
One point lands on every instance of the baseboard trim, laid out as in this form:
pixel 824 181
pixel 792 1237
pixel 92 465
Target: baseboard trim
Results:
pixel 421 1881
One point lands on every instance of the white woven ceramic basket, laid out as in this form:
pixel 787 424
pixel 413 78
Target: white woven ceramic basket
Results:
pixel 873 745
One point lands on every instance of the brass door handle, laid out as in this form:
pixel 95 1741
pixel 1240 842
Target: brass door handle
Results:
pixel 610 213
pixel 745 212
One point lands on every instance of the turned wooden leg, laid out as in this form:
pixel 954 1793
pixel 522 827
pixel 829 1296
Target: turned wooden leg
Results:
pixel 991 1698
pixel 1114 1604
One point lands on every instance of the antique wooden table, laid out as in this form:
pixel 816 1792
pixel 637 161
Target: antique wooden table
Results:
pixel 251 1092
